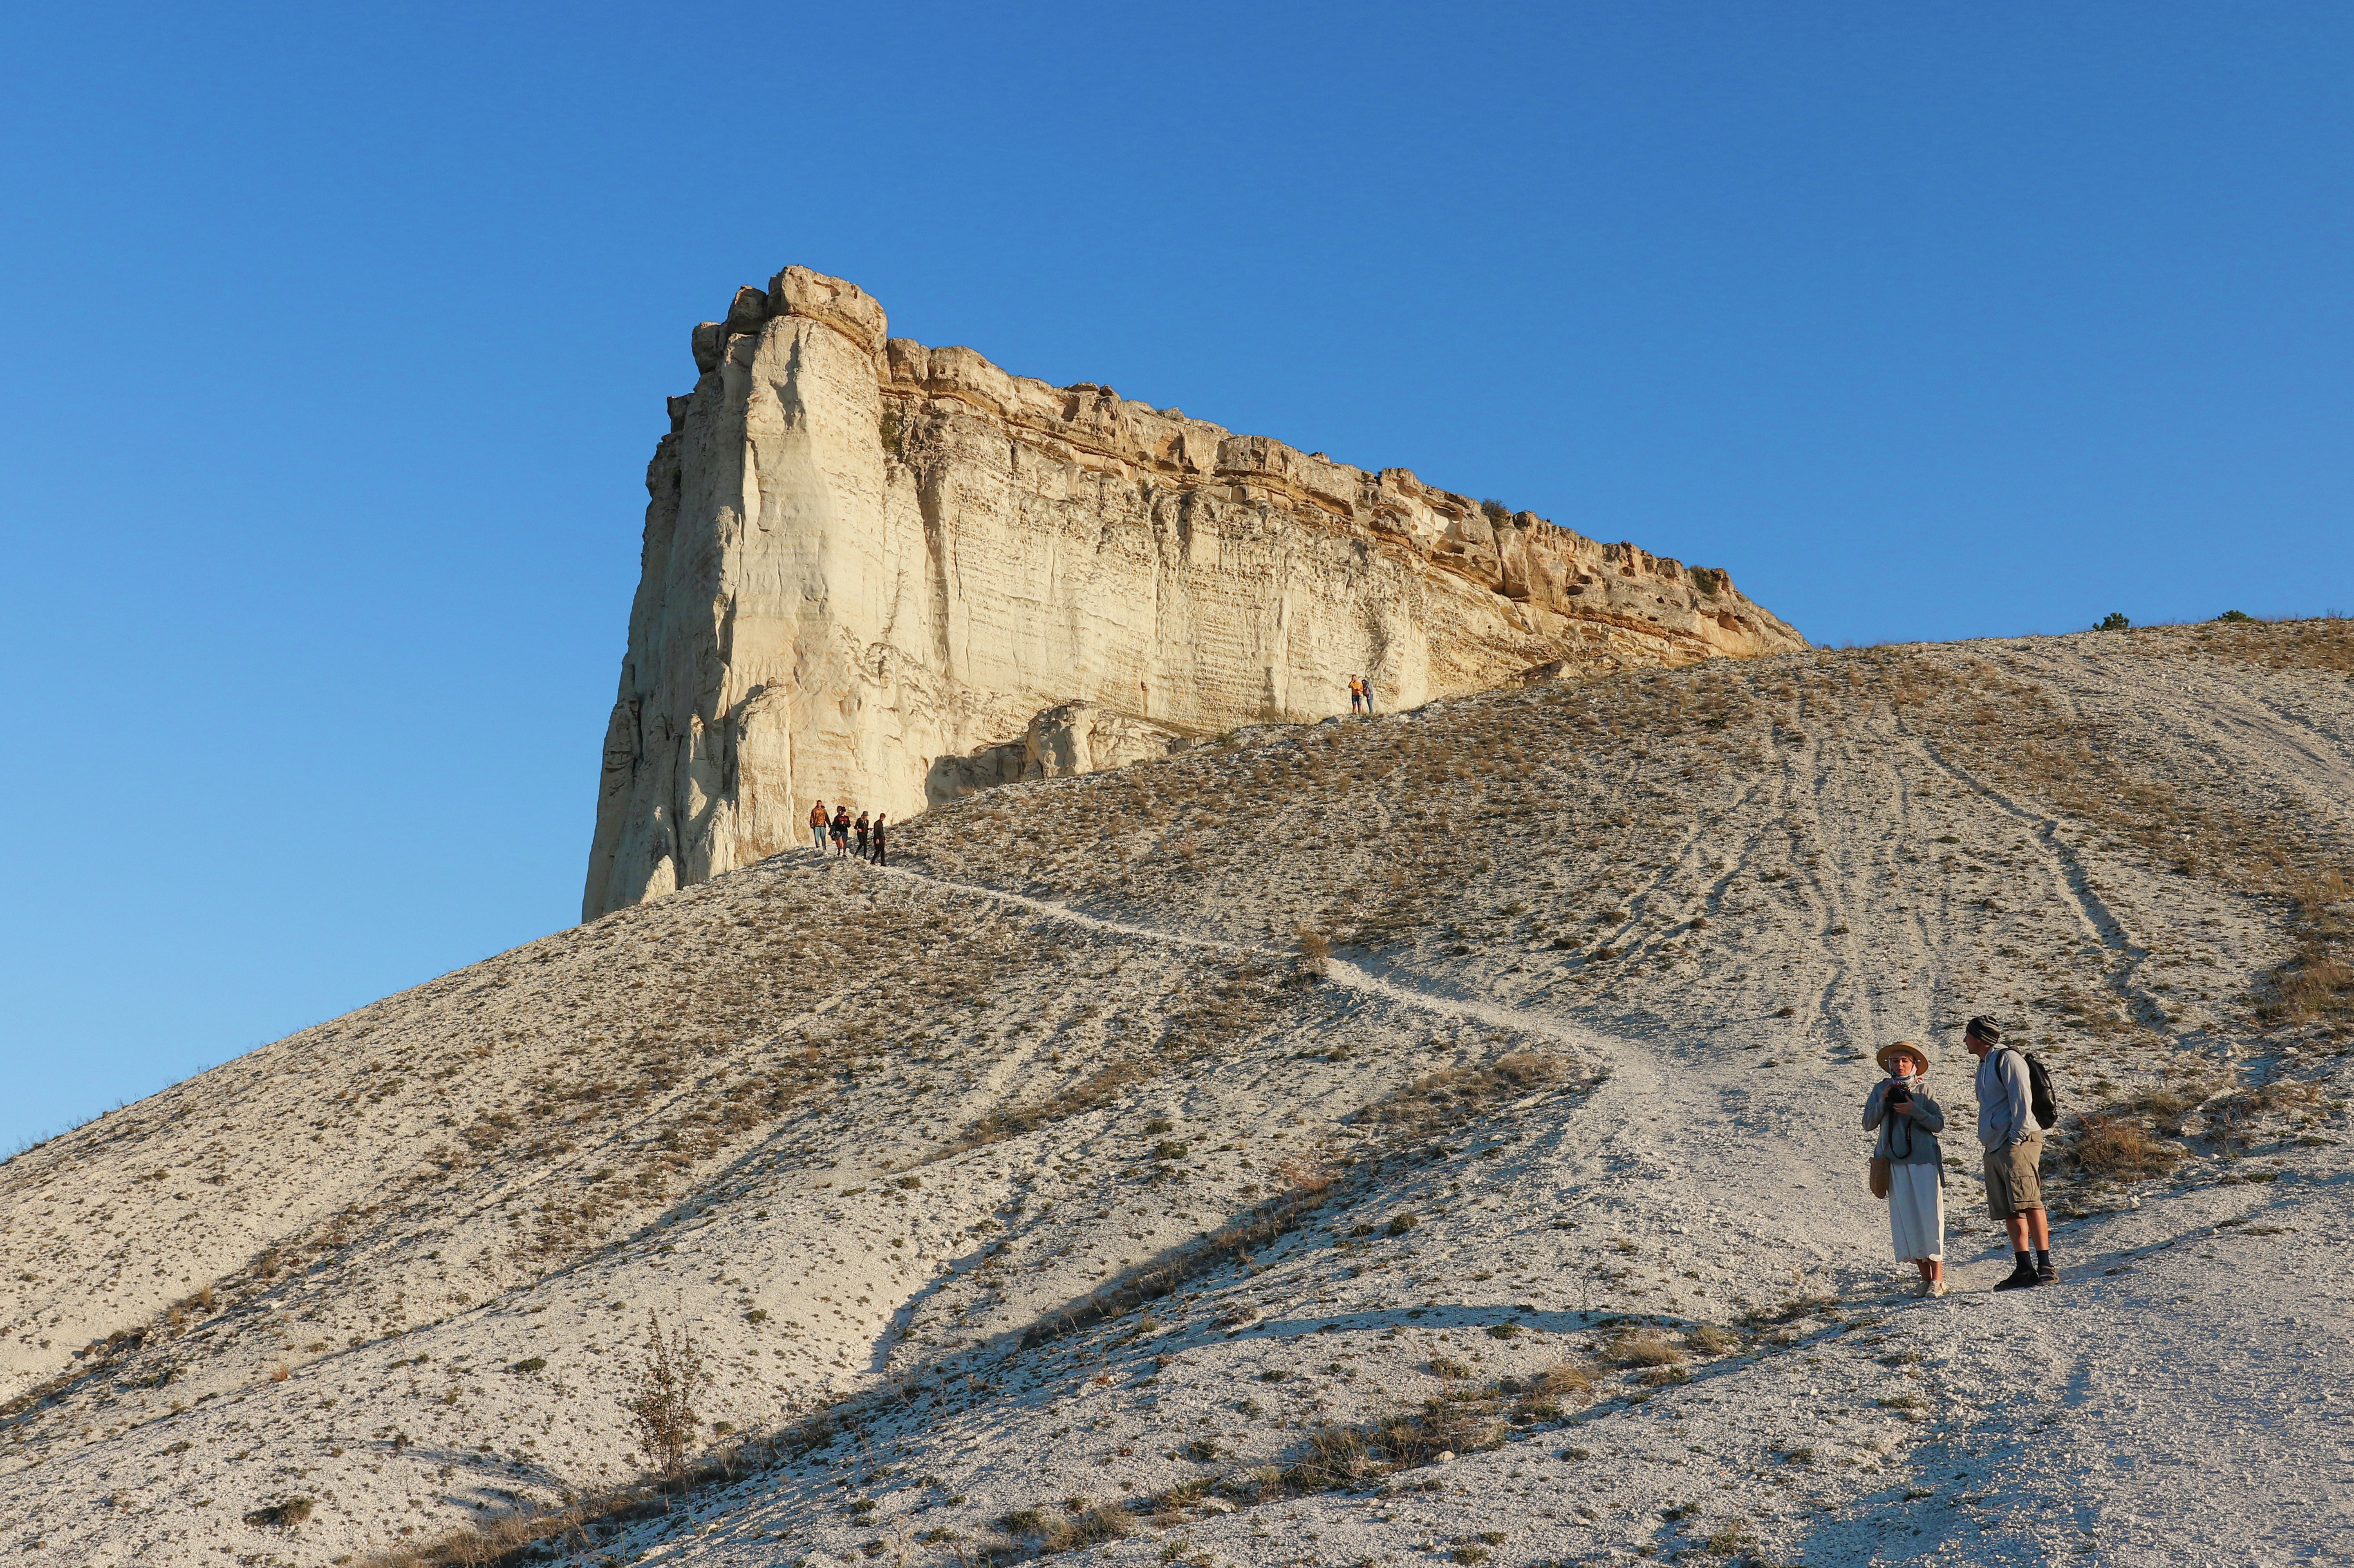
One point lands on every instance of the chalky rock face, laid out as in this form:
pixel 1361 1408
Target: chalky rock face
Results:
pixel 870 566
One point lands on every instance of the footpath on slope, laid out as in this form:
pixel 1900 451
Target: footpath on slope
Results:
pixel 1697 1179
pixel 2073 1421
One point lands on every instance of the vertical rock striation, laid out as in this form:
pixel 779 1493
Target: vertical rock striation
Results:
pixel 882 573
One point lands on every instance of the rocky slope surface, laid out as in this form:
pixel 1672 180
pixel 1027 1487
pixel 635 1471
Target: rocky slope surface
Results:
pixel 1037 1193
pixel 867 560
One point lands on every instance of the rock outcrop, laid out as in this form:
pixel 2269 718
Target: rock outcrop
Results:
pixel 878 572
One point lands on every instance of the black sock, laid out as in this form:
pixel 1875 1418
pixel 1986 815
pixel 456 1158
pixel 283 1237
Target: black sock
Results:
pixel 2025 1260
pixel 2043 1257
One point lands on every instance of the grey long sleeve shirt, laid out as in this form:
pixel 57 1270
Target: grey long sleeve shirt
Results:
pixel 1908 1139
pixel 2005 1115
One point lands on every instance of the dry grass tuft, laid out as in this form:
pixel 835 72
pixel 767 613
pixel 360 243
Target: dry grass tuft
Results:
pixel 1569 1380
pixel 1441 1426
pixel 1643 1348
pixel 283 1515
pixel 1306 1176
pixel 1079 1522
pixel 1709 1339
pixel 2109 1147
pixel 2317 983
pixel 1459 1093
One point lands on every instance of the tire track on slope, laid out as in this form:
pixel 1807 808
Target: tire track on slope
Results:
pixel 1842 962
pixel 2241 728
pixel 2070 876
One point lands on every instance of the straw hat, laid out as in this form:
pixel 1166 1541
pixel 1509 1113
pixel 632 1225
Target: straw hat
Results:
pixel 1919 1053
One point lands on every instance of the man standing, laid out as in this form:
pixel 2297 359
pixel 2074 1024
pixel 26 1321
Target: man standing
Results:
pixel 1356 695
pixel 819 818
pixel 2014 1148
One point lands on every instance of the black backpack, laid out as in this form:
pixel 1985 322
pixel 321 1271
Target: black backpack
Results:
pixel 2041 1099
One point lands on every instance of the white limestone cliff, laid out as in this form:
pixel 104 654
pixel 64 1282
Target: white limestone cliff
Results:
pixel 872 568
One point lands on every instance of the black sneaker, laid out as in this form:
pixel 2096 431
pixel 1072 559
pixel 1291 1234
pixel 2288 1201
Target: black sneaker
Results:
pixel 2046 1274
pixel 2022 1277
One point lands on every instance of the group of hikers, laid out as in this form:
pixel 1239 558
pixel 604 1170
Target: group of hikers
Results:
pixel 866 837
pixel 1908 1167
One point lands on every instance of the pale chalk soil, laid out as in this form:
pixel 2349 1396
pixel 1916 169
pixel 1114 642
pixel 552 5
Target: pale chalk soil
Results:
pixel 1612 958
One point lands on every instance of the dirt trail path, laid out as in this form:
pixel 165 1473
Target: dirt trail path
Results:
pixel 1675 1140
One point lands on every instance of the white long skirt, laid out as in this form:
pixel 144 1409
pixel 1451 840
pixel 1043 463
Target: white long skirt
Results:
pixel 1916 1213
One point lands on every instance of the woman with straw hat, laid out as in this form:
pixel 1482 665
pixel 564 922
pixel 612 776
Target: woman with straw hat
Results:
pixel 1908 1168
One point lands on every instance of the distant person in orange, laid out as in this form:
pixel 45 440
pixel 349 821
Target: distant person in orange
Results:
pixel 1356 693
pixel 817 826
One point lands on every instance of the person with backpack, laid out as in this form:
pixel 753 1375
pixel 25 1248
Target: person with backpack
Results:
pixel 879 840
pixel 859 831
pixel 1908 1167
pixel 1367 687
pixel 817 819
pixel 841 833
pixel 2010 1131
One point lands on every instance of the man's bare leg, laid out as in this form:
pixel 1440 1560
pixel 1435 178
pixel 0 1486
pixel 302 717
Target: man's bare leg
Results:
pixel 2030 1229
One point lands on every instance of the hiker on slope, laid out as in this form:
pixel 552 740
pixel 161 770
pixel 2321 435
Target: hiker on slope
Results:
pixel 1907 1165
pixel 859 830
pixel 1356 694
pixel 841 833
pixel 2014 1148
pixel 817 827
pixel 880 841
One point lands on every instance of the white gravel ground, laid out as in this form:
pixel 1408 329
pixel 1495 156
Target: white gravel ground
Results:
pixel 889 1141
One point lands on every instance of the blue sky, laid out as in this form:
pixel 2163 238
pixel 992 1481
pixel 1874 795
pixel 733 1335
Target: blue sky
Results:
pixel 334 340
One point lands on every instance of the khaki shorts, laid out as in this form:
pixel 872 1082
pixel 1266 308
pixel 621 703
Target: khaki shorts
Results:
pixel 2010 1179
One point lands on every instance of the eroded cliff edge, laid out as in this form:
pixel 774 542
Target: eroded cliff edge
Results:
pixel 872 568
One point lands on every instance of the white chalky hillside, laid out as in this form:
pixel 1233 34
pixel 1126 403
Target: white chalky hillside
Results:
pixel 1052 1191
